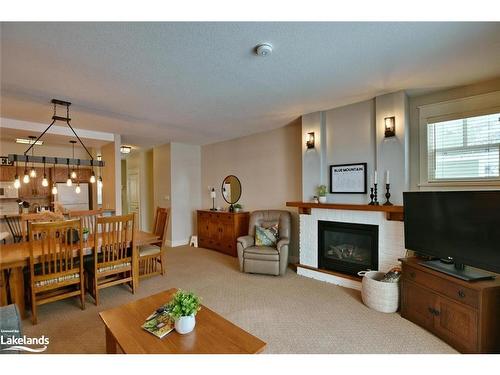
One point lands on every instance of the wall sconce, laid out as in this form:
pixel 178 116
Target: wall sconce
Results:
pixel 390 126
pixel 310 140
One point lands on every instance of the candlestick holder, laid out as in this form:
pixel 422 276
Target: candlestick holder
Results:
pixel 375 199
pixel 387 195
pixel 371 197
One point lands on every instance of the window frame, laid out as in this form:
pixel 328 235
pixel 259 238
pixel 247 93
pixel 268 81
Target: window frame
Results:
pixel 453 110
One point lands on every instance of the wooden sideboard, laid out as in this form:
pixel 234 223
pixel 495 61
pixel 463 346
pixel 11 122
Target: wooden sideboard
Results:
pixel 464 314
pixel 219 230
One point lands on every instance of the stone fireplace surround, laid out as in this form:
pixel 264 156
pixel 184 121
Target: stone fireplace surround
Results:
pixel 391 241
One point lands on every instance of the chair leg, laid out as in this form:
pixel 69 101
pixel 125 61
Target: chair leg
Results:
pixel 82 292
pixel 96 291
pixel 34 319
pixel 162 262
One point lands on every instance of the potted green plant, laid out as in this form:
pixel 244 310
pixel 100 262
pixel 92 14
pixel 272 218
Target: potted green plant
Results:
pixel 183 308
pixel 237 207
pixel 322 193
pixel 86 233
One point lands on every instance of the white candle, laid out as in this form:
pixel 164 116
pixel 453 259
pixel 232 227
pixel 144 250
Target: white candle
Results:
pixel 212 194
pixel 376 179
pixel 387 177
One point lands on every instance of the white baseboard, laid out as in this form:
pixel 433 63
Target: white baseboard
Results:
pixel 177 243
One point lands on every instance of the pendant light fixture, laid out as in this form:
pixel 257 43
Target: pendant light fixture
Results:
pixel 77 189
pixel 26 177
pixel 17 181
pixel 92 176
pixel 33 170
pixel 69 182
pixel 99 179
pixel 72 175
pixel 54 187
pixel 45 182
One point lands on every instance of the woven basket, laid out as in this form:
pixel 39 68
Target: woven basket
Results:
pixel 378 295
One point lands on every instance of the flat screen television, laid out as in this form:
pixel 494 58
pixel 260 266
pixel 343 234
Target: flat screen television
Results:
pixel 462 225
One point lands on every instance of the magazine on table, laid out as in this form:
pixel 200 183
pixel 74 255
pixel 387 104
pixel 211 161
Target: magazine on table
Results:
pixel 159 323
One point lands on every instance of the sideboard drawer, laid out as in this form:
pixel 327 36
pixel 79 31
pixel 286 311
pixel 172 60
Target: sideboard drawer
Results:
pixel 452 290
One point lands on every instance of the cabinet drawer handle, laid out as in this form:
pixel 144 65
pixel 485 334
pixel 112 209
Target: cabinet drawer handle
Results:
pixel 412 275
pixel 431 310
pixel 461 293
pixel 436 312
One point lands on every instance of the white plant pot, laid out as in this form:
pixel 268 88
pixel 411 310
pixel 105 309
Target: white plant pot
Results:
pixel 322 199
pixel 185 324
pixel 85 237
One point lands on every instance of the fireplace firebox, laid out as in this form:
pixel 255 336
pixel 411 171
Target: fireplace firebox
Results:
pixel 347 247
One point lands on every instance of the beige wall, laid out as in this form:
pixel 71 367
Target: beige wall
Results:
pixel 185 190
pixel 268 165
pixel 436 97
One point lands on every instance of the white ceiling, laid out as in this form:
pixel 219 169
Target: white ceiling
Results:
pixel 201 82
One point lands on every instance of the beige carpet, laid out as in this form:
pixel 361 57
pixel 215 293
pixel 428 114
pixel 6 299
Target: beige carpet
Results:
pixel 293 314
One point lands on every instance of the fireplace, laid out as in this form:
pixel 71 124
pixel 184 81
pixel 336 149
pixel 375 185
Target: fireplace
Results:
pixel 347 247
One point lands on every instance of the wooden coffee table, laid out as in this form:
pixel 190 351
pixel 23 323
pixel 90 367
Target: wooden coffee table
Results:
pixel 212 335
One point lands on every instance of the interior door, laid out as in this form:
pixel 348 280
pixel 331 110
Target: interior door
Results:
pixel 133 194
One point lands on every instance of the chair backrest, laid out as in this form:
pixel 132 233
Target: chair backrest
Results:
pixel 46 216
pixel 267 218
pixel 88 218
pixel 15 226
pixel 56 247
pixel 161 222
pixel 117 242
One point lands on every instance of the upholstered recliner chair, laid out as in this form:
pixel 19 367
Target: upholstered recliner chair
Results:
pixel 265 259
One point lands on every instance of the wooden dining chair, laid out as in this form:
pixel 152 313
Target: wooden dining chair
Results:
pixel 152 257
pixel 56 263
pixel 15 226
pixel 115 255
pixel 35 217
pixel 88 218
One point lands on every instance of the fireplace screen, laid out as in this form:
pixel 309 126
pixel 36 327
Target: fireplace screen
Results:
pixel 347 247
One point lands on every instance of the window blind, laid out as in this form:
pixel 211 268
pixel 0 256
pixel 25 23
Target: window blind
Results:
pixel 464 149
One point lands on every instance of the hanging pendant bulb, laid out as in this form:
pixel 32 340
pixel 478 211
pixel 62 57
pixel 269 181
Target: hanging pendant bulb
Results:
pixel 68 181
pixel 17 182
pixel 33 170
pixel 54 189
pixel 73 174
pixel 77 189
pixel 92 176
pixel 26 177
pixel 45 182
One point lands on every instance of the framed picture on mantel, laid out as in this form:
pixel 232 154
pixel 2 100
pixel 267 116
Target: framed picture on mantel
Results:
pixel 348 178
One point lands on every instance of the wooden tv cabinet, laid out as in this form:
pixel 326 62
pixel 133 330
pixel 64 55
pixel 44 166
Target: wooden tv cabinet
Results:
pixel 219 230
pixel 464 314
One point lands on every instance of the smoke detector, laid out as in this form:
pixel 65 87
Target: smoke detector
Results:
pixel 264 49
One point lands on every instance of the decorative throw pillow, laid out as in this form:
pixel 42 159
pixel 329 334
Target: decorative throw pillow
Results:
pixel 266 236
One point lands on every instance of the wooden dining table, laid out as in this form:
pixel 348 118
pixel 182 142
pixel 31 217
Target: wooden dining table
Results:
pixel 14 257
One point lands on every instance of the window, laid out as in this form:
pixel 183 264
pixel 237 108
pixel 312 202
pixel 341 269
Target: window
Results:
pixel 464 149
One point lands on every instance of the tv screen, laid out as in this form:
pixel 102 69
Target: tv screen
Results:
pixel 464 225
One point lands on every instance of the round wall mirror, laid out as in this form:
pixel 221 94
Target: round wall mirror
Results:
pixel 231 189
